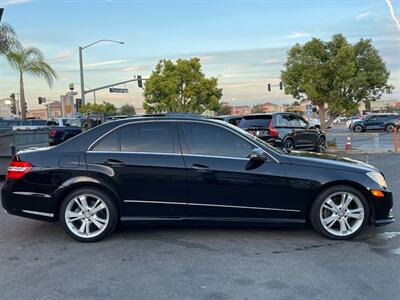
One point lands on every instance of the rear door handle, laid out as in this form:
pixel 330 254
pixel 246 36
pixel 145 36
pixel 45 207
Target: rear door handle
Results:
pixel 114 163
pixel 201 168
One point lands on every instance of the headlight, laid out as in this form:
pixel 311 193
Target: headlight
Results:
pixel 378 178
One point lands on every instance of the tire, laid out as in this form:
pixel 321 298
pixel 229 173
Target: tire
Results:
pixel 288 144
pixel 87 225
pixel 358 128
pixel 87 124
pixel 337 224
pixel 320 147
pixel 390 128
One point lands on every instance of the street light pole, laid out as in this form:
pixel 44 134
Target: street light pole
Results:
pixel 81 64
pixel 82 79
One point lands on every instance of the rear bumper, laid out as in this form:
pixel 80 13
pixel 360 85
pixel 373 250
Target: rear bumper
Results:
pixel 39 206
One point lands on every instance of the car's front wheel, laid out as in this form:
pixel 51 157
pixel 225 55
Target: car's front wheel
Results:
pixel 88 215
pixel 339 212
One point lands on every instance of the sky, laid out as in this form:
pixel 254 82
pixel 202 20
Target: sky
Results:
pixel 242 43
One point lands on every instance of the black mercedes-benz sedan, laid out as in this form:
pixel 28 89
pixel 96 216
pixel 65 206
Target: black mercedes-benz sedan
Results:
pixel 190 170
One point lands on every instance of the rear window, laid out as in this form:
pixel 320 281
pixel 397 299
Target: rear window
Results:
pixel 255 122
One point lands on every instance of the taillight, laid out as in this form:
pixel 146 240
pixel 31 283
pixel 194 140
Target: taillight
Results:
pixel 17 169
pixel 52 132
pixel 273 132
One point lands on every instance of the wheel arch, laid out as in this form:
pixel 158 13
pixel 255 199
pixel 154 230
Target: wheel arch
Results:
pixel 363 190
pixel 83 182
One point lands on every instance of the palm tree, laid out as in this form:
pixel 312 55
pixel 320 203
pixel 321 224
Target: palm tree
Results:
pixel 31 61
pixel 8 38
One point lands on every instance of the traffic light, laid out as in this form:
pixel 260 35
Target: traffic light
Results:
pixel 26 107
pixel 41 100
pixel 78 104
pixel 281 85
pixel 269 87
pixel 13 106
pixel 139 81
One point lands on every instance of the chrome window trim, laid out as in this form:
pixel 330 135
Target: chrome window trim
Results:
pixel 89 149
pixel 39 213
pixel 212 205
pixel 216 156
pixel 136 152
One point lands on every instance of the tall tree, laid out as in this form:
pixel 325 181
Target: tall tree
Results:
pixel 8 38
pixel 335 75
pixel 29 61
pixel 257 109
pixel 181 87
pixel 127 109
pixel 106 107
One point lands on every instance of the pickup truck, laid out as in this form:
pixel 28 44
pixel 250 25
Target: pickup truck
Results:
pixel 62 129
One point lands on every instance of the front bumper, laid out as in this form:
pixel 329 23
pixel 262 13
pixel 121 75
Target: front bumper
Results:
pixel 382 209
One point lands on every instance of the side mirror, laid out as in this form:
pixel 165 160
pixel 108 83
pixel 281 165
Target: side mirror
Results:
pixel 257 158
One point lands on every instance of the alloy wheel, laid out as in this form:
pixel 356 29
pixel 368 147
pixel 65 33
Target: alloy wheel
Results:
pixel 342 214
pixel 390 128
pixel 87 215
pixel 288 145
pixel 358 128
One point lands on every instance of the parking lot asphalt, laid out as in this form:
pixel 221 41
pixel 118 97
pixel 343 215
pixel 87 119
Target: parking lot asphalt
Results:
pixel 37 260
pixel 372 140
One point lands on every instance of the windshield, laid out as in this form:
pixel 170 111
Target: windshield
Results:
pixel 255 122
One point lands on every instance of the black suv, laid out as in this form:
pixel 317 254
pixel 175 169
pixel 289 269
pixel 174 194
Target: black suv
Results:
pixel 386 122
pixel 285 130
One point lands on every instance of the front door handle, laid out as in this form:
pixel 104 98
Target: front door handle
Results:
pixel 201 168
pixel 114 163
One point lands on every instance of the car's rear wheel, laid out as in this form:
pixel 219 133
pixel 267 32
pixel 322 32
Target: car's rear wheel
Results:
pixel 321 146
pixel 340 212
pixel 288 145
pixel 358 128
pixel 88 215
pixel 390 128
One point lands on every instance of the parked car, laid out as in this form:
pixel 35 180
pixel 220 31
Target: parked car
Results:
pixel 190 170
pixel 353 120
pixel 63 129
pixel 284 130
pixel 22 124
pixel 316 122
pixel 232 119
pixel 386 122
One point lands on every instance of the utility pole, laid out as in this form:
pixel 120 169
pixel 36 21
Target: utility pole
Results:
pixel 81 73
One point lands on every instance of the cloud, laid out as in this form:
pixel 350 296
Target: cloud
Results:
pixel 206 57
pixel 272 61
pixel 63 55
pixel 134 68
pixel 13 2
pixel 296 35
pixel 106 62
pixel 363 15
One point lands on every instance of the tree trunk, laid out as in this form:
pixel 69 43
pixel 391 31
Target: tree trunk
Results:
pixel 367 104
pixel 321 109
pixel 22 103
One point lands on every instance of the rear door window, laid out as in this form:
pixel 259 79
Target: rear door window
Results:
pixel 158 137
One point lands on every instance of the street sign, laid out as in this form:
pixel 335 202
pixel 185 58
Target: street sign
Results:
pixel 118 90
pixel 72 93
pixel 309 109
